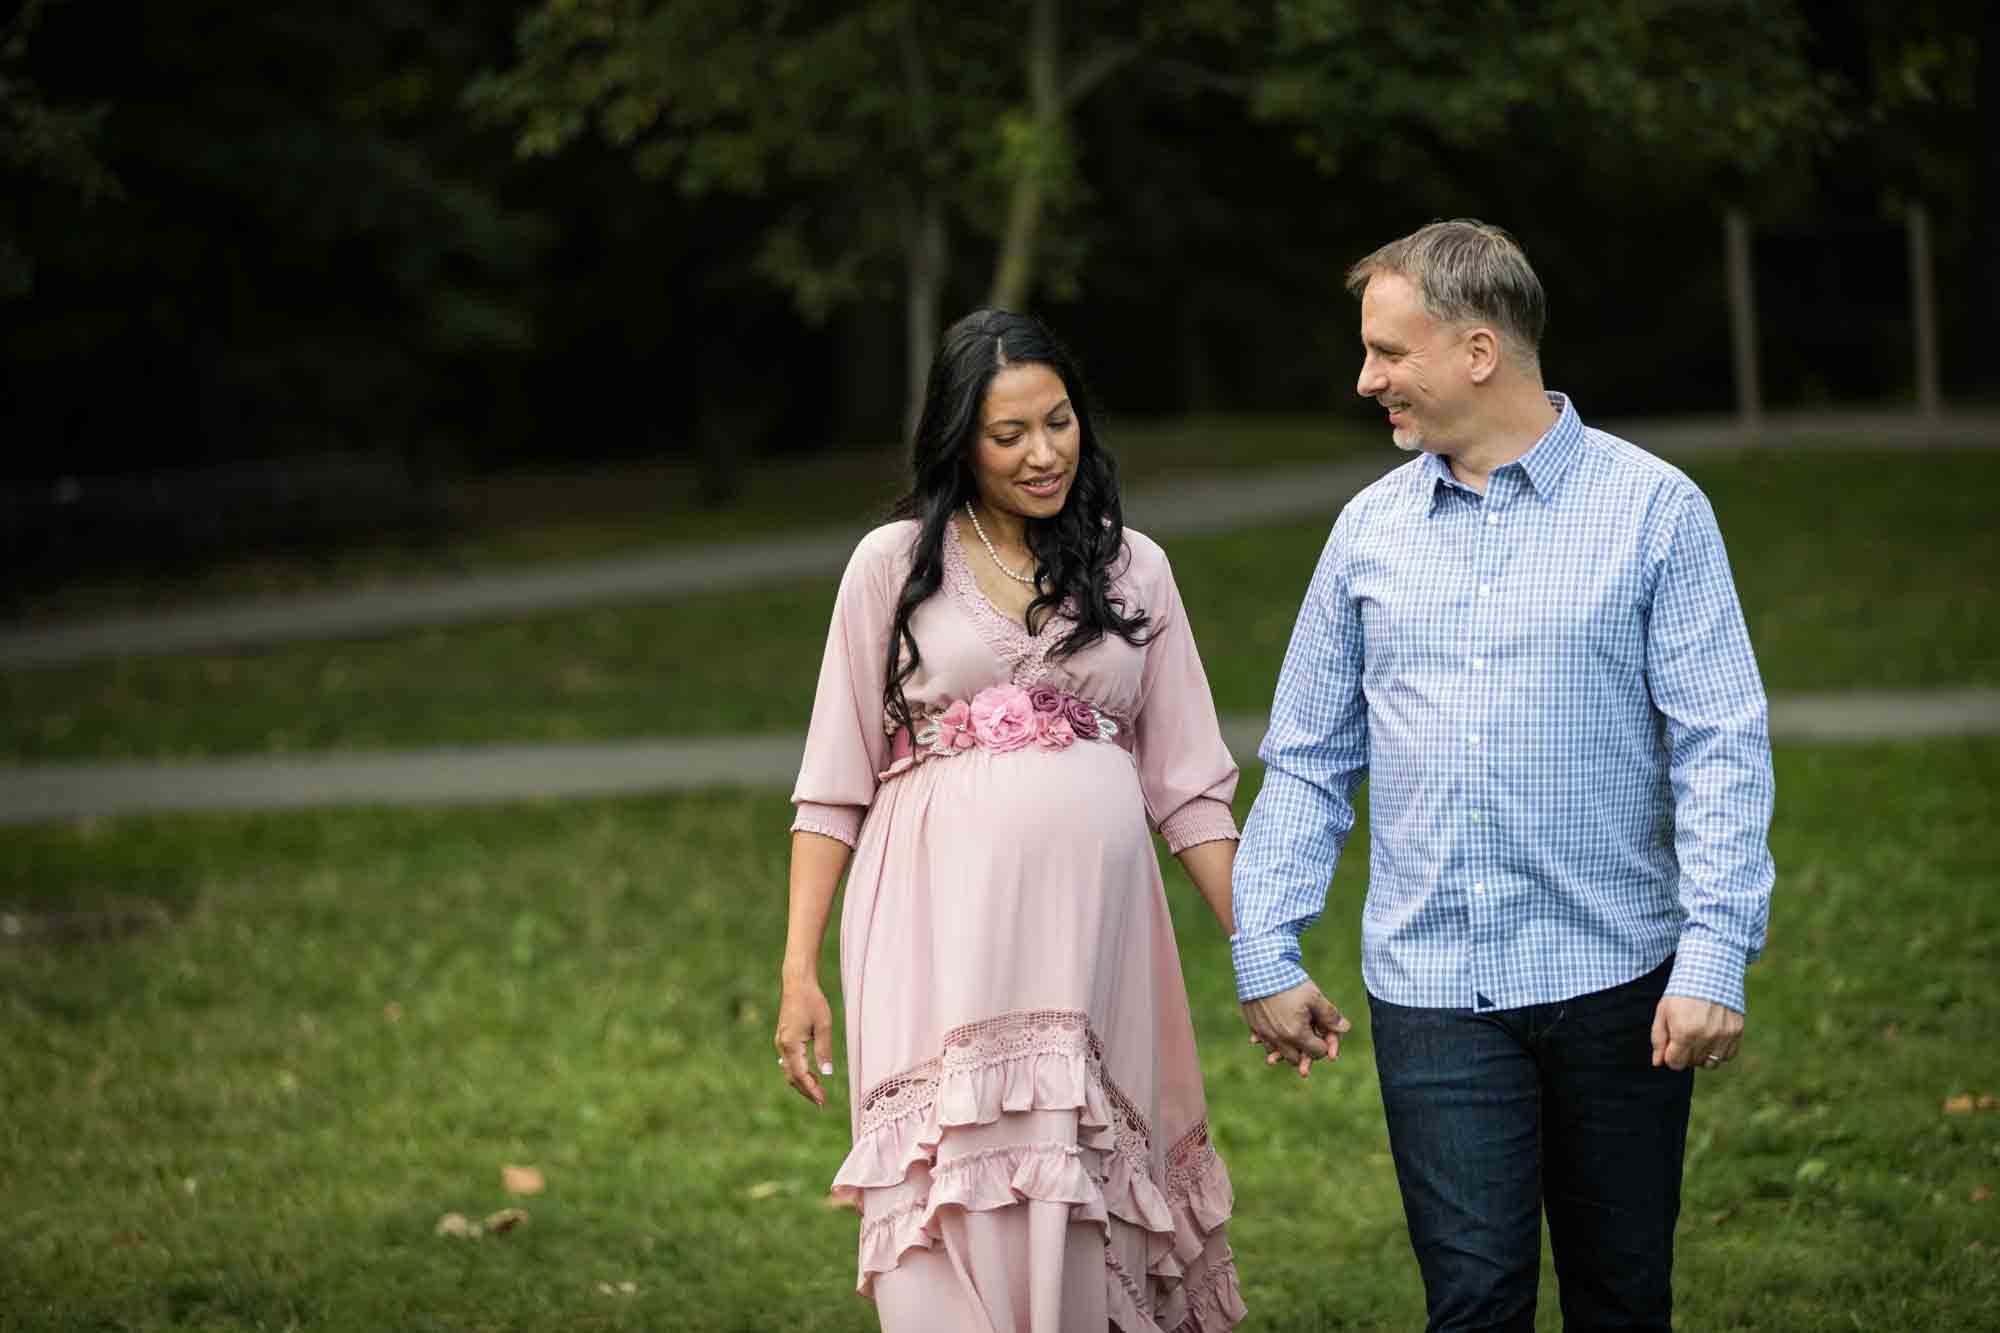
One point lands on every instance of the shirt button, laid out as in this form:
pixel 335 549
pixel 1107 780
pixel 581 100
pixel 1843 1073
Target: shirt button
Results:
pixel 1472 740
pixel 1485 590
pixel 1479 888
pixel 1493 520
pixel 1478 817
pixel 1478 664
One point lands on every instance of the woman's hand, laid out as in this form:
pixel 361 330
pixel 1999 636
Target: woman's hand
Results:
pixel 805 1022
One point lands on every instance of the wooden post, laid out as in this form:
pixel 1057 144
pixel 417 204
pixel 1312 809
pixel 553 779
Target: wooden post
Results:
pixel 1742 318
pixel 1923 312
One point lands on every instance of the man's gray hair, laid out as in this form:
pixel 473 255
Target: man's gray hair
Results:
pixel 1466 272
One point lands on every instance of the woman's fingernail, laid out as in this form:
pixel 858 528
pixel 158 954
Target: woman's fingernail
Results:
pixel 826 1067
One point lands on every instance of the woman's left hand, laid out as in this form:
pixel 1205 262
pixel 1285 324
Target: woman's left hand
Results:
pixel 805 1023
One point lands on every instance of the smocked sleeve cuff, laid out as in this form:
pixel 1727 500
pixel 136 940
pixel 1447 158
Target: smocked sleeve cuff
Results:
pixel 834 821
pixel 1265 964
pixel 1203 819
pixel 1709 968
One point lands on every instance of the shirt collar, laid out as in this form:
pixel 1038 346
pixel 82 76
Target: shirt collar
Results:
pixel 1544 465
pixel 1556 452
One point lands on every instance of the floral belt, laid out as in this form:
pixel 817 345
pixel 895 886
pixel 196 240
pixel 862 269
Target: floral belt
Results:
pixel 1001 718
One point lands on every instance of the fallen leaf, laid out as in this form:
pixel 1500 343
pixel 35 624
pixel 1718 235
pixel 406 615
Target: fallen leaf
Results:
pixel 1959 1105
pixel 506 1220
pixel 1987 1101
pixel 1892 1032
pixel 1975 1247
pixel 522 1179
pixel 628 1288
pixel 1981 1193
pixel 604 1289
pixel 393 1012
pixel 1717 1219
pixel 763 1189
pixel 457 1224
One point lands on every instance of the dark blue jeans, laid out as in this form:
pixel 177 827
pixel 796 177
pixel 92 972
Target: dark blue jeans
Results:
pixel 1496 1115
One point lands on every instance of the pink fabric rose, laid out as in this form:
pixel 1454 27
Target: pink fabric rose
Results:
pixel 1081 716
pixel 1052 731
pixel 955 727
pixel 1047 702
pixel 1003 718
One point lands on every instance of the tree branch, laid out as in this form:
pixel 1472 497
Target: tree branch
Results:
pixel 1201 77
pixel 1101 65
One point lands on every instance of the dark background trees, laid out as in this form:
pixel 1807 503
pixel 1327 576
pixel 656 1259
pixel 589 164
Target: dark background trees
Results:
pixel 238 233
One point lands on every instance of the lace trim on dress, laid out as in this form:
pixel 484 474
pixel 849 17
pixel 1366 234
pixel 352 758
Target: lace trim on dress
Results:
pixel 1027 655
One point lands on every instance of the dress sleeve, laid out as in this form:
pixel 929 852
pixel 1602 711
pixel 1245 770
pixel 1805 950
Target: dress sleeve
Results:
pixel 845 745
pixel 1186 772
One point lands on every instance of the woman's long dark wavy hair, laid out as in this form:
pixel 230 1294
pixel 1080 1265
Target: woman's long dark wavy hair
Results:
pixel 1074 550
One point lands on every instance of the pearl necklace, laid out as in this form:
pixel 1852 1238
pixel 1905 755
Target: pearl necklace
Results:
pixel 1028 579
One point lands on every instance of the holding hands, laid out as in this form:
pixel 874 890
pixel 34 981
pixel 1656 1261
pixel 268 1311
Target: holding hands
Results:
pixel 1297 1026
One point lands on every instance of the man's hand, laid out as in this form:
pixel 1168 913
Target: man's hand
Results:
pixel 1690 1032
pixel 1297 1026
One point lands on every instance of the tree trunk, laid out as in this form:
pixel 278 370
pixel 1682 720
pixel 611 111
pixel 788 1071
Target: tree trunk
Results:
pixel 1986 224
pixel 1014 268
pixel 925 258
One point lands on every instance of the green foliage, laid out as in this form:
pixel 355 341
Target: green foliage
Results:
pixel 43 144
pixel 1365 80
pixel 828 111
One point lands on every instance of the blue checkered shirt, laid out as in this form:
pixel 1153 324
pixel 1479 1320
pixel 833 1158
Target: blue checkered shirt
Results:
pixel 1552 694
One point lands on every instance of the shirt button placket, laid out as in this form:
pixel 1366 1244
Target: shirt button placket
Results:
pixel 1481 868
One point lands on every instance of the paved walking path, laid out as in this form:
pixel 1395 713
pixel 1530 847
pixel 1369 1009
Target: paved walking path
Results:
pixel 1189 506
pixel 473 774
pixel 1167 509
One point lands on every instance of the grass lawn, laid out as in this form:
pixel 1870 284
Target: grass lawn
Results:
pixel 1855 570
pixel 251 1060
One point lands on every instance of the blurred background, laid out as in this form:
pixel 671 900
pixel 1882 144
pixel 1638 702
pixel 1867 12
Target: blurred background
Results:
pixel 432 433
pixel 289 275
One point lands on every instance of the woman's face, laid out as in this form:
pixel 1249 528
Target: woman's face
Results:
pixel 1025 457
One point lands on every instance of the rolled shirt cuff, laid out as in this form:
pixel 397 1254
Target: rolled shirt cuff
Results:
pixel 834 821
pixel 1265 964
pixel 1707 967
pixel 1203 819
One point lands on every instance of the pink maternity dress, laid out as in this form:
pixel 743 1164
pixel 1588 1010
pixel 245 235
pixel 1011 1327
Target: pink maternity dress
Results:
pixel 1031 1148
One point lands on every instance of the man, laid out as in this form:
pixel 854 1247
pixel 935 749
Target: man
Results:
pixel 1528 638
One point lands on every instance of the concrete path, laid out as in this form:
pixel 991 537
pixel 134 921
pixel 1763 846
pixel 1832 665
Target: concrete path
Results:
pixel 1168 509
pixel 474 774
pixel 1207 504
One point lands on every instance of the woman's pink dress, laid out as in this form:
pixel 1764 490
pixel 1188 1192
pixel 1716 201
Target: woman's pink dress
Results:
pixel 1031 1148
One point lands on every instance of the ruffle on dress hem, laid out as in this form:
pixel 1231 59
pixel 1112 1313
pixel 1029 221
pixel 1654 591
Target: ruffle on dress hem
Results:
pixel 1105 1174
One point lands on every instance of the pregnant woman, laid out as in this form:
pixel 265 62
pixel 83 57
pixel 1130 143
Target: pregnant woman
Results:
pixel 1009 702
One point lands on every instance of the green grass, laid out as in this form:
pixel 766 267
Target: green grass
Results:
pixel 1855 571
pixel 248 1110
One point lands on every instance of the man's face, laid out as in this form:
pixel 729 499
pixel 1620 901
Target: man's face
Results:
pixel 1413 366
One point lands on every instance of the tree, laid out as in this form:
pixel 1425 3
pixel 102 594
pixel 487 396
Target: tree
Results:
pixel 876 130
pixel 1650 74
pixel 43 145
